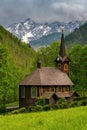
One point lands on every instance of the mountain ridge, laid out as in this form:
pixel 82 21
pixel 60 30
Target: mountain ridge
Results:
pixel 30 30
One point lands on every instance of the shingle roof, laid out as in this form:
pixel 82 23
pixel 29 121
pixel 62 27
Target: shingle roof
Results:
pixel 47 76
pixel 63 94
pixel 48 95
pixel 66 94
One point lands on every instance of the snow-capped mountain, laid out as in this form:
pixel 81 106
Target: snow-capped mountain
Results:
pixel 29 30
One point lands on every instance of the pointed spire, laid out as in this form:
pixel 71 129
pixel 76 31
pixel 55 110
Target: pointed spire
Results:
pixel 62 51
pixel 38 63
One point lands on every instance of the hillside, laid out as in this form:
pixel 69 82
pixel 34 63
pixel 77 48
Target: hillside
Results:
pixel 68 119
pixel 78 36
pixel 16 61
pixel 46 40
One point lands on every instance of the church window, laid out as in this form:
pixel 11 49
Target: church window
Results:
pixel 59 88
pixel 34 92
pixel 22 92
pixel 52 89
pixel 66 88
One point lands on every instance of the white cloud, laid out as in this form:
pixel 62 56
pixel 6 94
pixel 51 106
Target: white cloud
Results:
pixel 69 11
pixel 42 10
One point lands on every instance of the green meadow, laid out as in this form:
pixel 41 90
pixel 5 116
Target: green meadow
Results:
pixel 65 119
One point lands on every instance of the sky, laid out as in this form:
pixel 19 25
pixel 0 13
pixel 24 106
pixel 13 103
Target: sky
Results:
pixel 14 11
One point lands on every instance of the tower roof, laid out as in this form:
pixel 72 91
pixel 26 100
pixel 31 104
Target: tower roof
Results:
pixel 62 51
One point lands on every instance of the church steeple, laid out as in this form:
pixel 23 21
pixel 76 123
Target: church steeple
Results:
pixel 62 61
pixel 62 51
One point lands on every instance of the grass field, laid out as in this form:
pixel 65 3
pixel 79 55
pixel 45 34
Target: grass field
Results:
pixel 66 119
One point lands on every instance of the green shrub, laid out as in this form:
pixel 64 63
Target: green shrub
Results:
pixel 35 108
pixel 39 108
pixel 14 112
pixel 46 107
pixel 40 101
pixel 56 106
pixel 22 110
pixel 3 109
pixel 32 109
pixel 73 104
pixel 84 102
pixel 62 103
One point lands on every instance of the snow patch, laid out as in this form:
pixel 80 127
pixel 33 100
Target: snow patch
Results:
pixel 26 37
pixel 44 33
pixel 41 27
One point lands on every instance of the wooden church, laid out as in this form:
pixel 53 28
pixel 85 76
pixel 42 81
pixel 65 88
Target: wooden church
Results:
pixel 51 83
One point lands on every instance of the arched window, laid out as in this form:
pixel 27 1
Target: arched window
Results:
pixel 66 67
pixel 34 92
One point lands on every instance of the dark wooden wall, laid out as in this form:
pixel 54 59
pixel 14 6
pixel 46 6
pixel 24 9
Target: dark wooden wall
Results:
pixel 29 101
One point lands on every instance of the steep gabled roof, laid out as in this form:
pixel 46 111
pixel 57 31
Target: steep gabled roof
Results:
pixel 47 76
pixel 62 52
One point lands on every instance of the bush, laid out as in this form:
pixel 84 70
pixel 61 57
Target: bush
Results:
pixel 35 108
pixel 40 101
pixel 39 108
pixel 84 102
pixel 14 112
pixel 46 107
pixel 22 110
pixel 73 104
pixel 56 106
pixel 62 103
pixel 32 109
pixel 3 109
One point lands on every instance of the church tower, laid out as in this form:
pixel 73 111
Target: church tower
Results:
pixel 62 61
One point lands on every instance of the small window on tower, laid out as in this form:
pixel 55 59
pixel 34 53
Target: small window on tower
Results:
pixel 59 65
pixel 65 67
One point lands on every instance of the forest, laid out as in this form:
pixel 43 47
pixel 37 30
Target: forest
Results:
pixel 18 59
pixel 77 36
